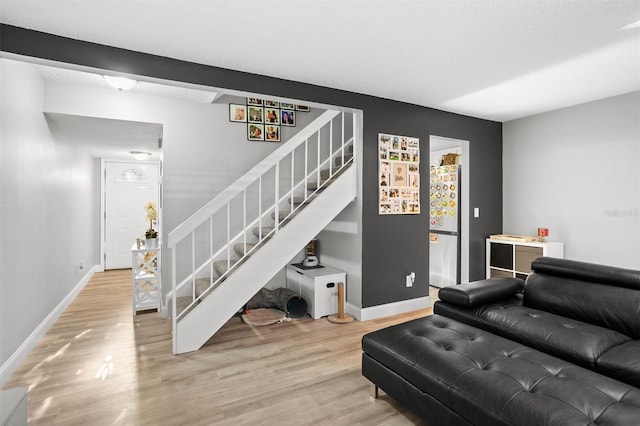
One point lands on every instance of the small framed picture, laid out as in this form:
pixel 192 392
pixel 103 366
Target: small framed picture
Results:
pixel 272 116
pixel 304 108
pixel 238 113
pixel 254 101
pixel 273 104
pixel 255 132
pixel 255 114
pixel 286 105
pixel 287 117
pixel 272 133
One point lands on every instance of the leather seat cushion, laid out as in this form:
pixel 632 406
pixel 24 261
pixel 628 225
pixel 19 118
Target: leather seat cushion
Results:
pixel 474 373
pixel 622 363
pixel 565 338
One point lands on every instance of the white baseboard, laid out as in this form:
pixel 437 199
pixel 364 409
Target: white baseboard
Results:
pixel 14 361
pixel 388 309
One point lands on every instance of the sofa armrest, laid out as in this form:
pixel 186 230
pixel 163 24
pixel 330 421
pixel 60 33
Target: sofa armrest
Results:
pixel 481 292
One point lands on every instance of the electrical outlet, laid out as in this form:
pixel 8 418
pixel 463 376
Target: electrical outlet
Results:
pixel 81 265
pixel 409 281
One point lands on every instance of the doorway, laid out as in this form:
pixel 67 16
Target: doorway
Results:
pixel 127 187
pixel 439 146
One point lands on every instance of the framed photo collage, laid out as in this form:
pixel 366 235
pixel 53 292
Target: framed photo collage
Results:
pixel 265 118
pixel 398 174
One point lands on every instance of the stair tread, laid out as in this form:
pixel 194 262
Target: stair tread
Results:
pixel 265 231
pixel 202 284
pixel 242 249
pixel 222 266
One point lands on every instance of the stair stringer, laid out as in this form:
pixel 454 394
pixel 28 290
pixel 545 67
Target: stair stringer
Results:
pixel 206 318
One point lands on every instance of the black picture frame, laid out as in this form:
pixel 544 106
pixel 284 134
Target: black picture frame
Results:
pixel 272 116
pixel 255 131
pixel 237 113
pixel 272 133
pixel 255 114
pixel 287 117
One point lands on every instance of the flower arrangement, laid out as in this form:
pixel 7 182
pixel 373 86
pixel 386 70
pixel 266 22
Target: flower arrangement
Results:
pixel 152 214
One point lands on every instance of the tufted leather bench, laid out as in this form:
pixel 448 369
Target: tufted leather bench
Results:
pixel 455 374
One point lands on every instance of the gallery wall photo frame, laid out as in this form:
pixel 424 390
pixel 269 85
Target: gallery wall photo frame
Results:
pixel 255 114
pixel 287 117
pixel 398 174
pixel 238 113
pixel 272 115
pixel 272 133
pixel 255 131
pixel 265 118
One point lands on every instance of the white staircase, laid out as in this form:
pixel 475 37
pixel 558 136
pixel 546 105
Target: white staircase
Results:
pixel 228 250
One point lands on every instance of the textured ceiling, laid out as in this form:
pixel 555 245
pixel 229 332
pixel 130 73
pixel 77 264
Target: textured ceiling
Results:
pixel 494 59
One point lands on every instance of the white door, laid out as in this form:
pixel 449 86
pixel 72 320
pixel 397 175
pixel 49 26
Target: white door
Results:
pixel 128 186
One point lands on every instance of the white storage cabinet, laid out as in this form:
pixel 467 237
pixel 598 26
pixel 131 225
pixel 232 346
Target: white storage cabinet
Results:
pixel 319 287
pixel 507 258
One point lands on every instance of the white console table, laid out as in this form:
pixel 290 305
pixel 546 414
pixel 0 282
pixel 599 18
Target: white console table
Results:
pixel 318 286
pixel 147 283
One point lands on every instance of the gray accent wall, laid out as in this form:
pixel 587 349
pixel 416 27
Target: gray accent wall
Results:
pixel 576 171
pixel 390 245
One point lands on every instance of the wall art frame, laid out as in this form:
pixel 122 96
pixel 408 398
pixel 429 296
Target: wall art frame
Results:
pixel 398 174
pixel 237 113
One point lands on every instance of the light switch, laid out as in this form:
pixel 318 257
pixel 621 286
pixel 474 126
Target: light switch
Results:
pixel 476 212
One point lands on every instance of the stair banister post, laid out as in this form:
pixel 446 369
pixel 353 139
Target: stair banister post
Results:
pixel 211 251
pixel 306 167
pixel 174 314
pixel 331 148
pixel 293 163
pixel 354 128
pixel 342 145
pixel 318 159
pixel 228 236
pixel 277 198
pixel 260 208
pixel 244 221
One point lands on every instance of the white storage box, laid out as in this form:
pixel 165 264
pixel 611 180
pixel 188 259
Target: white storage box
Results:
pixel 318 286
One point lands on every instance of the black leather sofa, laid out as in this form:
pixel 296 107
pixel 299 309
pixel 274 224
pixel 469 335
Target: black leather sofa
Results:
pixel 561 348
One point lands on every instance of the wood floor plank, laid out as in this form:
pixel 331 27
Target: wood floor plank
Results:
pixel 100 365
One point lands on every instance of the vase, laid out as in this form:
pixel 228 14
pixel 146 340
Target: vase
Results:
pixel 151 243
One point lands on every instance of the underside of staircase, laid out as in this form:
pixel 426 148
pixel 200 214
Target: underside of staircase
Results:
pixel 218 287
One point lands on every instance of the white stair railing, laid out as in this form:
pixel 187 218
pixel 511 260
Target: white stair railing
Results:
pixel 249 211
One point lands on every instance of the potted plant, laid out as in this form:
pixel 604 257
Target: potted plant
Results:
pixel 151 235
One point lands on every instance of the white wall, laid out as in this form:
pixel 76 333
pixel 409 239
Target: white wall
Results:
pixel 203 152
pixel 48 210
pixel 576 172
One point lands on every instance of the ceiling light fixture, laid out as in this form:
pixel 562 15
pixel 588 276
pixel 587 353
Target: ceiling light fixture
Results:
pixel 120 83
pixel 140 155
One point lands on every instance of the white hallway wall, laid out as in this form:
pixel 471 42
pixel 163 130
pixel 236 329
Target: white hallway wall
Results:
pixel 576 171
pixel 48 210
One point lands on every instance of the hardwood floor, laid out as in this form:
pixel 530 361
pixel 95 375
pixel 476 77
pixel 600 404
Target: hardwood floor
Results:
pixel 101 365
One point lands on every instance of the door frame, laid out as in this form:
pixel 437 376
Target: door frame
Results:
pixel 103 195
pixel 465 210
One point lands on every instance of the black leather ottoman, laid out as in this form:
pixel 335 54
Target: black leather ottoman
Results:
pixel 451 373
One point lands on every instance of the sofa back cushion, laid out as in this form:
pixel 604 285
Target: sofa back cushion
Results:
pixel 602 295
